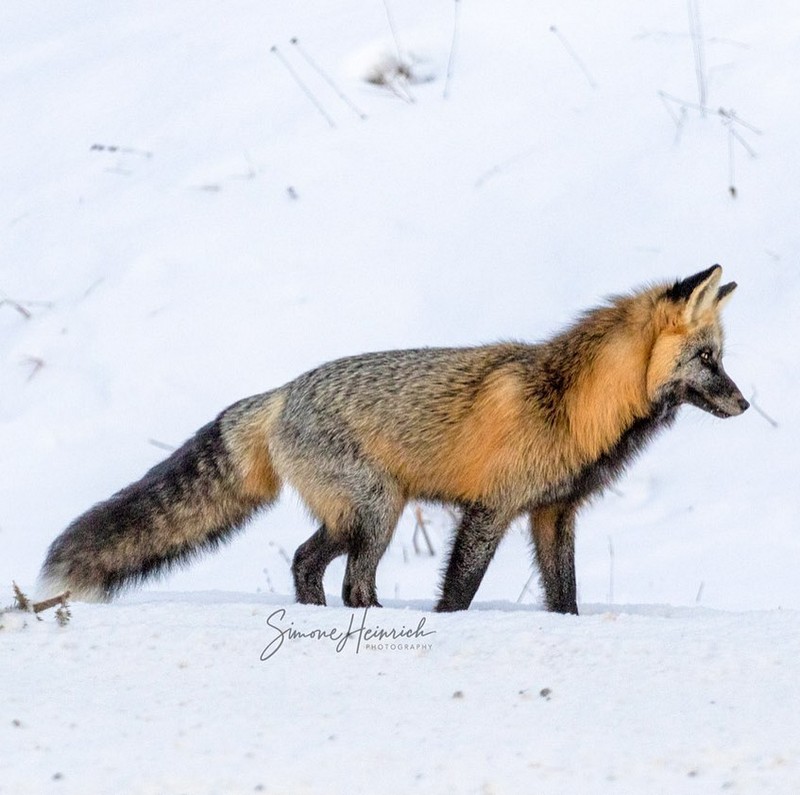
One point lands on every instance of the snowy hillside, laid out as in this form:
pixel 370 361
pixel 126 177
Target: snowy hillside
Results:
pixel 194 209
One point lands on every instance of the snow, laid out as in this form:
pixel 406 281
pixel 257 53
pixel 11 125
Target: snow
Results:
pixel 169 694
pixel 182 227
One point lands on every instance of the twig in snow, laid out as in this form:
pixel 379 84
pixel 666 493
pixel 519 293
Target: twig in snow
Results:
pixel 699 593
pixel 575 57
pixel 731 165
pixel 499 168
pixel 23 307
pixel 730 115
pixel 326 77
pixel 526 587
pixel 92 287
pixel 733 137
pixel 162 445
pixel 421 527
pixel 302 86
pixel 123 150
pixel 698 47
pixel 24 604
pixel 16 305
pixel 729 119
pixel 678 118
pixel 738 136
pixel 282 552
pixel 399 76
pixel 610 571
pixel 666 35
pixel 394 75
pixel 451 57
pixel 393 30
pixel 761 411
pixel 36 363
pixel 452 513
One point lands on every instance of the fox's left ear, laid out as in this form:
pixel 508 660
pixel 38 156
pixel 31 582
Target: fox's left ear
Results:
pixel 698 293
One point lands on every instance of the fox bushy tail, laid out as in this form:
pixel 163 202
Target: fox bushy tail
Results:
pixel 189 503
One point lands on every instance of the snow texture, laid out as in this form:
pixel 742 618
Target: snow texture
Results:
pixel 184 224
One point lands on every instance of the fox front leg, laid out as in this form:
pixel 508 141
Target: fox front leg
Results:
pixel 553 531
pixel 476 541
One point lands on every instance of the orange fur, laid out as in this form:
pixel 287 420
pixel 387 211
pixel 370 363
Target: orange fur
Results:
pixel 250 453
pixel 484 449
pixel 618 372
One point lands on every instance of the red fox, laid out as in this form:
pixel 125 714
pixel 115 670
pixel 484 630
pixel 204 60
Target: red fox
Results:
pixel 499 430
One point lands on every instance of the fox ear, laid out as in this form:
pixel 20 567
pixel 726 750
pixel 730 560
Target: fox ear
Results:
pixel 698 293
pixel 724 294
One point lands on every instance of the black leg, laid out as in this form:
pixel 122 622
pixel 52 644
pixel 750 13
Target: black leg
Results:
pixel 310 562
pixel 368 540
pixel 358 588
pixel 553 531
pixel 476 541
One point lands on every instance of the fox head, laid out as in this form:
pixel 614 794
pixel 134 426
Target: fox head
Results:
pixel 686 361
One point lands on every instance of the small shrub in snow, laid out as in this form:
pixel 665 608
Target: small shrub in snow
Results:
pixel 14 617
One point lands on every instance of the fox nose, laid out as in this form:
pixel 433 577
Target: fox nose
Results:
pixel 743 404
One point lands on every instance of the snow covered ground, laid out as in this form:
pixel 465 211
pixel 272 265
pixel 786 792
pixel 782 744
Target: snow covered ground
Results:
pixel 169 694
pixel 181 227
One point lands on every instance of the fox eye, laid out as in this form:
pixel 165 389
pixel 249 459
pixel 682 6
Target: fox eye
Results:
pixel 706 357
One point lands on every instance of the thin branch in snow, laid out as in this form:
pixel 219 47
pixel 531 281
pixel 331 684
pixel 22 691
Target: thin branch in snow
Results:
pixel 679 118
pixel 733 137
pixel 451 58
pixel 123 150
pixel 499 168
pixel 734 117
pixel 421 528
pixel 36 363
pixel 526 587
pixel 698 47
pixel 666 35
pixel 610 571
pixel 17 306
pixel 699 593
pixel 23 307
pixel 302 86
pixel 328 79
pixel 282 552
pixel 393 30
pixel 730 115
pixel 761 411
pixel 729 119
pixel 270 586
pixel 738 136
pixel 92 287
pixel 575 57
pixel 395 73
pixel 162 445
pixel 731 165
pixel 23 603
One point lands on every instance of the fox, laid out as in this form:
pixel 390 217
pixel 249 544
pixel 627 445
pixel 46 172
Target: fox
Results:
pixel 500 431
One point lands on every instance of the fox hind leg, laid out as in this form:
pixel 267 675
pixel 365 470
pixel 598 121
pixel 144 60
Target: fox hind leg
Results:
pixel 553 531
pixel 310 562
pixel 368 536
pixel 476 541
pixel 358 506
